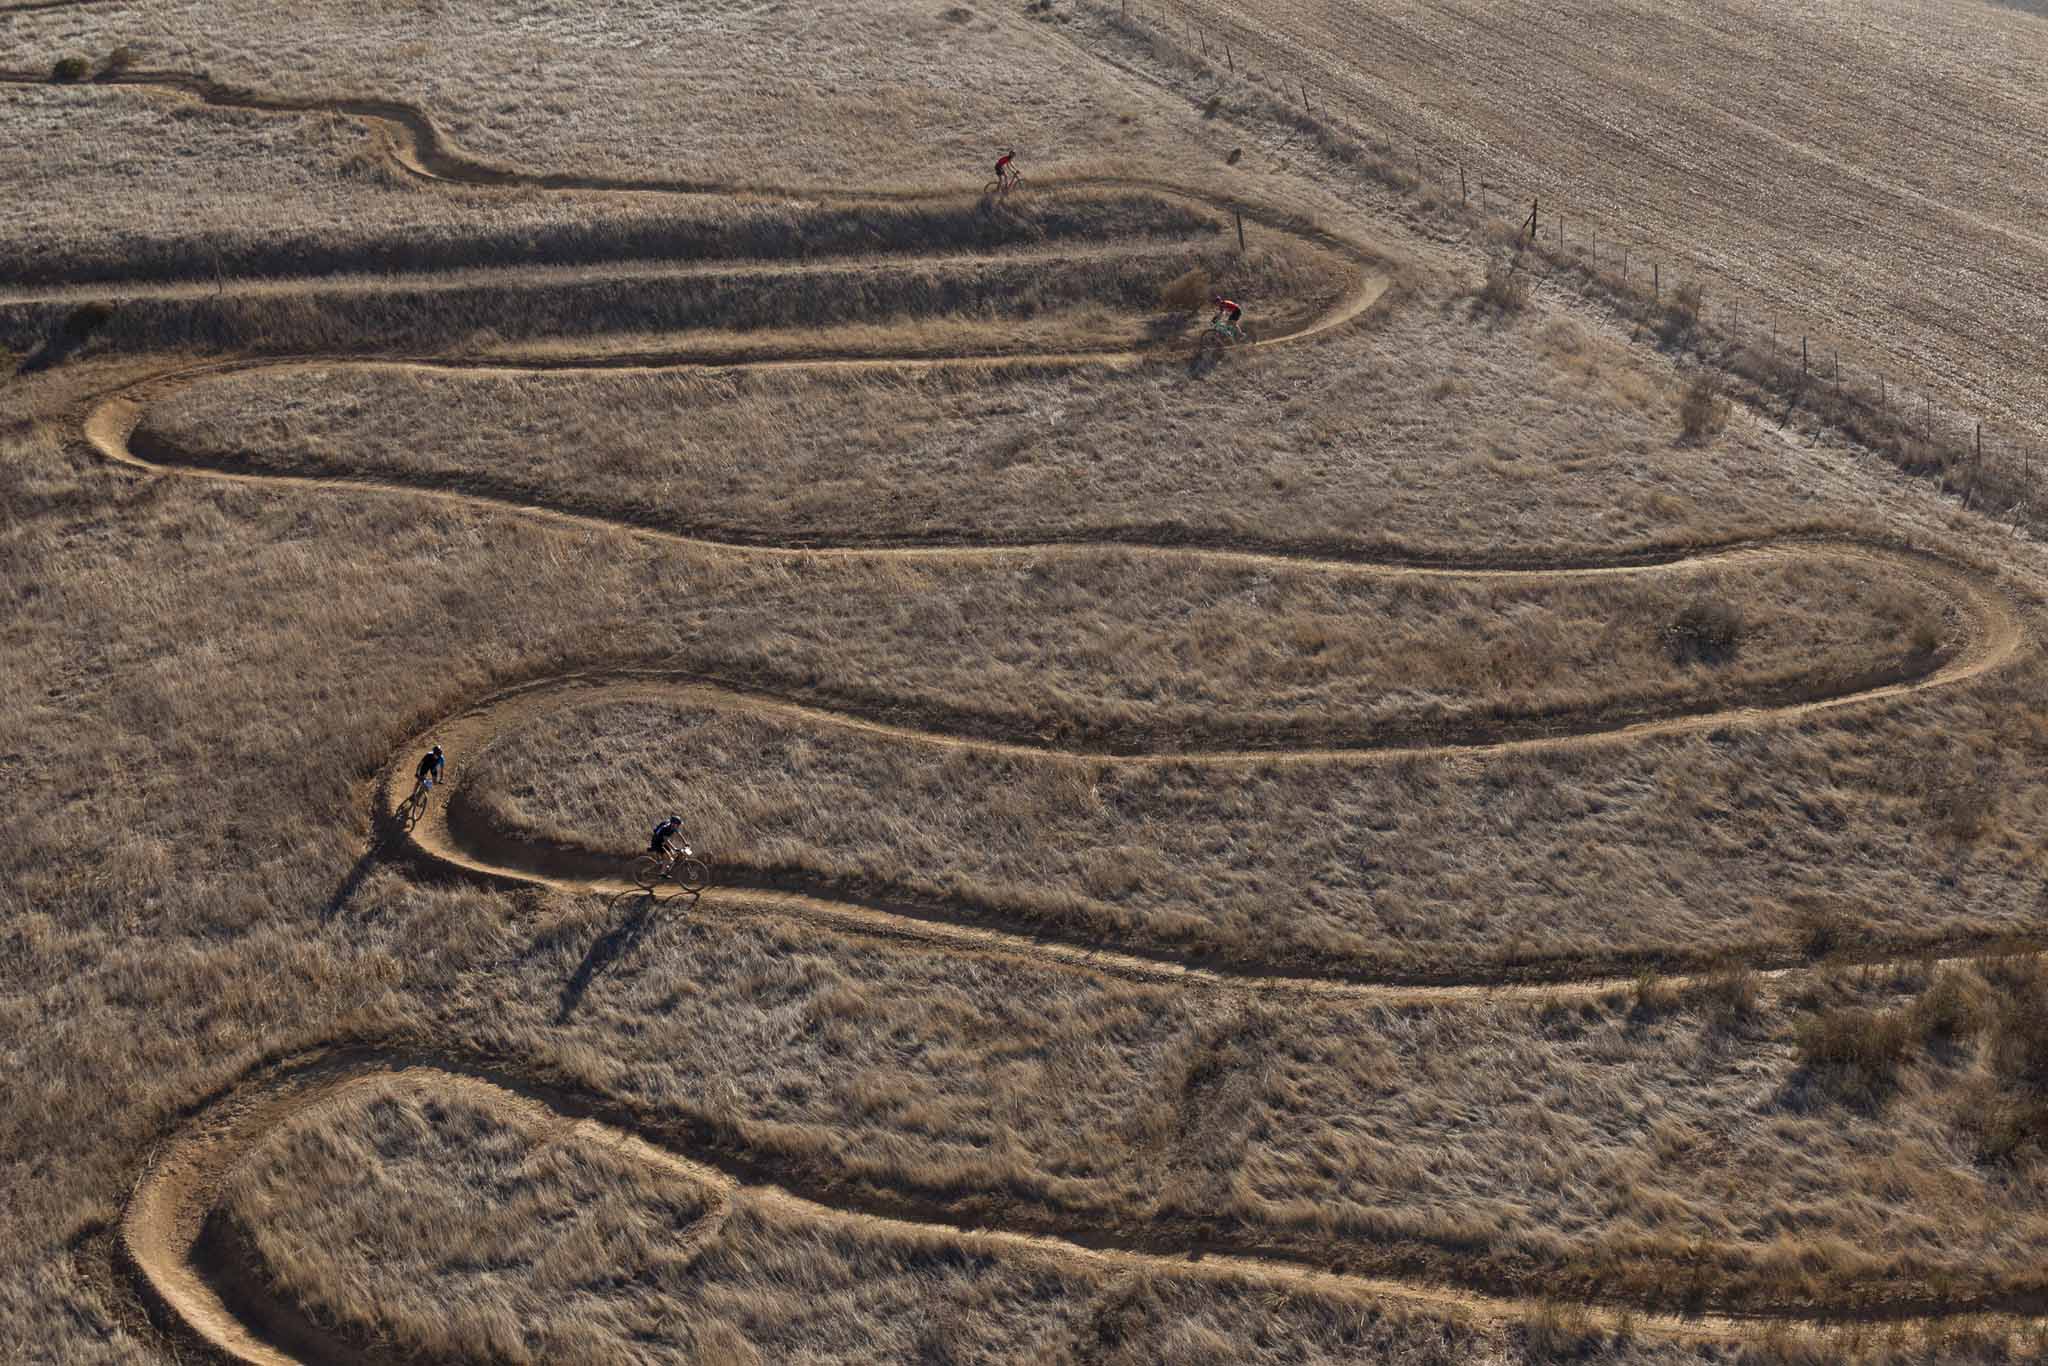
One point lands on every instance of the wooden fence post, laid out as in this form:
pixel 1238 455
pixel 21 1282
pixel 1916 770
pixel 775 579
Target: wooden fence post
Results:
pixel 1838 369
pixel 1881 392
pixel 1802 358
pixel 1240 231
pixel 1624 263
pixel 1461 184
pixel 1228 58
pixel 1532 220
pixel 1656 280
pixel 1980 443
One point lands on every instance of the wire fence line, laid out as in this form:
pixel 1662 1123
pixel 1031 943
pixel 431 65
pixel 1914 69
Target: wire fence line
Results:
pixel 1991 471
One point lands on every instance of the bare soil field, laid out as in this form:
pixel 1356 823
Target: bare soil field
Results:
pixel 1428 836
pixel 1866 173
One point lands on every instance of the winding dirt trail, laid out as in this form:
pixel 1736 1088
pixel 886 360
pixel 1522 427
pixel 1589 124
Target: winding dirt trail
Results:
pixel 163 1228
pixel 447 836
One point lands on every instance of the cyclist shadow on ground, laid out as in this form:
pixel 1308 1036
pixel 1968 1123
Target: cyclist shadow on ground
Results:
pixel 351 884
pixel 610 947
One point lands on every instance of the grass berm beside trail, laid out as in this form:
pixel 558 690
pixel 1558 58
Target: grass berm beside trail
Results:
pixel 606 1280
pixel 1306 1128
pixel 1419 434
pixel 1092 283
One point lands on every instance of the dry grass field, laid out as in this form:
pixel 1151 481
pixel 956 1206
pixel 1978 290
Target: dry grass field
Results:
pixel 1375 845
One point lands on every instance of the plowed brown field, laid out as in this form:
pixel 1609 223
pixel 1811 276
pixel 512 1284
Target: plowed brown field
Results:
pixel 1869 173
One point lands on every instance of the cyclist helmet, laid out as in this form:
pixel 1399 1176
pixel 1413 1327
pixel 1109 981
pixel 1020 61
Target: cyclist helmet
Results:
pixel 437 749
pixel 1218 300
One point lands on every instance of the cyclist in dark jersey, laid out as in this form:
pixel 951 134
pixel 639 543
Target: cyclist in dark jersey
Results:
pixel 663 833
pixel 1227 313
pixel 429 771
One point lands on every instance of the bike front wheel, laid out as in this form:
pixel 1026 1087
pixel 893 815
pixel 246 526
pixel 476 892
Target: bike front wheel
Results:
pixel 691 875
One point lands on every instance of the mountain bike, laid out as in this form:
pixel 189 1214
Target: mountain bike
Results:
pixel 688 872
pixel 1220 334
pixel 414 807
pixel 1001 186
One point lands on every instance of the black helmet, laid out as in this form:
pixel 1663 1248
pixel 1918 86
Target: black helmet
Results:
pixel 437 749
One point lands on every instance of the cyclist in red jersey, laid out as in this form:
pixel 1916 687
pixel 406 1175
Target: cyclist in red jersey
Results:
pixel 1003 171
pixel 1227 313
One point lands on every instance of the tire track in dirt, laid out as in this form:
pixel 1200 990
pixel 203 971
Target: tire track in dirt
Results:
pixel 165 1219
pixel 166 1232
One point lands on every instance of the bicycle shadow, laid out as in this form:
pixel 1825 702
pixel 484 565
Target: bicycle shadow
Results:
pixel 609 948
pixel 353 883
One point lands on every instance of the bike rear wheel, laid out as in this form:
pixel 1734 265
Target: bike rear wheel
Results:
pixel 648 870
pixel 994 187
pixel 691 875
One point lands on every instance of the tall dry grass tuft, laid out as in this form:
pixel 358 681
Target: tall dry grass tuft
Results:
pixel 1187 293
pixel 1506 288
pixel 1707 631
pixel 1704 410
pixel 1858 1050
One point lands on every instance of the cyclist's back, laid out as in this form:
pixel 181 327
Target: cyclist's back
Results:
pixel 1228 312
pixel 663 833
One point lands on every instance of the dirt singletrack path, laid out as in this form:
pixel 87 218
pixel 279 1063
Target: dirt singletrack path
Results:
pixel 163 1226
